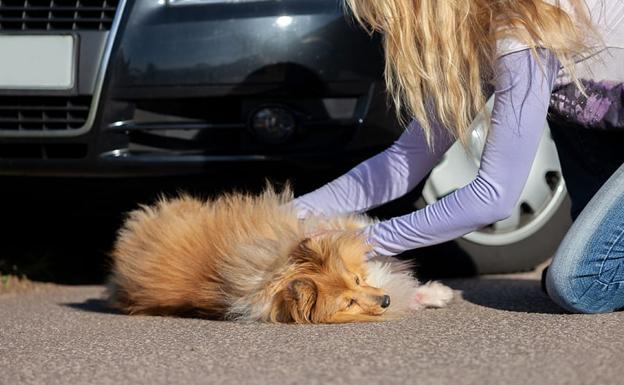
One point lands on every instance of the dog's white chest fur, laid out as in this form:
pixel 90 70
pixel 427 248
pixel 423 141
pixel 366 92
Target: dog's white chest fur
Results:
pixel 407 293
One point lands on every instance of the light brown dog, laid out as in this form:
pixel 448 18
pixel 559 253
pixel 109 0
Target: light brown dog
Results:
pixel 245 257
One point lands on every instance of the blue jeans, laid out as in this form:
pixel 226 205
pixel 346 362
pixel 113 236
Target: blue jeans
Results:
pixel 587 271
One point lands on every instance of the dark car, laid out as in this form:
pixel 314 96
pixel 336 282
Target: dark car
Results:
pixel 147 87
pixel 164 87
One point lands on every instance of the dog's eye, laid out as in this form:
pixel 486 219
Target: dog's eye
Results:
pixel 351 303
pixel 357 280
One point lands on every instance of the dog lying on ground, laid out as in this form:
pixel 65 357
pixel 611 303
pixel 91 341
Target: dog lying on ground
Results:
pixel 249 258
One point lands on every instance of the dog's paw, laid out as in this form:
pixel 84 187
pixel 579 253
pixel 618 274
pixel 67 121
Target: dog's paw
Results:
pixel 431 294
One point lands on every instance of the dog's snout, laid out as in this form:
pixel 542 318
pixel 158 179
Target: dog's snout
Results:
pixel 385 301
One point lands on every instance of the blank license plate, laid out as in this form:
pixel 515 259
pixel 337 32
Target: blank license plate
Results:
pixel 37 62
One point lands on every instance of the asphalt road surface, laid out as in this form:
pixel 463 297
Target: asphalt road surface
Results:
pixel 503 331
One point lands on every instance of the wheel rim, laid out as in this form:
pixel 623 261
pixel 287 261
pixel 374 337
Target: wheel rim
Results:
pixel 542 196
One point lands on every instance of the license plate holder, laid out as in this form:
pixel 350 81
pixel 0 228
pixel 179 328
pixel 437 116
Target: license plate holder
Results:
pixel 38 62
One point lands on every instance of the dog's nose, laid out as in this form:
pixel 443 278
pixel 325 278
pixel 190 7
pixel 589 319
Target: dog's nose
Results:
pixel 385 301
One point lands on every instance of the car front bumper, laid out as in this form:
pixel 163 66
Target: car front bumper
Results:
pixel 178 86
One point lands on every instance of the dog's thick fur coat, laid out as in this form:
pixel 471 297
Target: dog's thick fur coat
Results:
pixel 246 257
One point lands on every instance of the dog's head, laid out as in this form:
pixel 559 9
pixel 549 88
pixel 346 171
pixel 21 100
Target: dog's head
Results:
pixel 328 283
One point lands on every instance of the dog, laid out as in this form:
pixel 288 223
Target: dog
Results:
pixel 249 258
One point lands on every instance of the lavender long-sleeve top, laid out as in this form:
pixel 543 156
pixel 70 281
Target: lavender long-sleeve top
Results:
pixel 522 93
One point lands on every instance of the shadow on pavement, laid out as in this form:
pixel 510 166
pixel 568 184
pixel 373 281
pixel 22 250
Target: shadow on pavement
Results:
pixel 92 305
pixel 516 295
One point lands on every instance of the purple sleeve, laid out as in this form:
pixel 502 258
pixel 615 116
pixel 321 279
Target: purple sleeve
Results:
pixel 380 179
pixel 522 92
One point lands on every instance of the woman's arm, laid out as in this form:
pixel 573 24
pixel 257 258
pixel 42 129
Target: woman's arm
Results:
pixel 380 179
pixel 522 92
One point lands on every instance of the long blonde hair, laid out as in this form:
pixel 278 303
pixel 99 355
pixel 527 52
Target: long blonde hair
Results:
pixel 439 53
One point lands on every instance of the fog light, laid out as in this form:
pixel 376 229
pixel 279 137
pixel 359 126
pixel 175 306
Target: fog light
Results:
pixel 273 124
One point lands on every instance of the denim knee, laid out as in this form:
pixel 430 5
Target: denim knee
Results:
pixel 583 292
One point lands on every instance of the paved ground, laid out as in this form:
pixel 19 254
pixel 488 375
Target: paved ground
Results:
pixel 503 331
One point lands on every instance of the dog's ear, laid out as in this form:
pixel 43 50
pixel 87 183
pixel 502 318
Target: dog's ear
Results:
pixel 303 253
pixel 302 294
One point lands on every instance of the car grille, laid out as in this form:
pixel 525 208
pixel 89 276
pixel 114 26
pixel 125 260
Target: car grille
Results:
pixel 43 150
pixel 43 113
pixel 57 15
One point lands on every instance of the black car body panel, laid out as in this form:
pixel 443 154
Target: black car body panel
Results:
pixel 185 81
pixel 227 44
